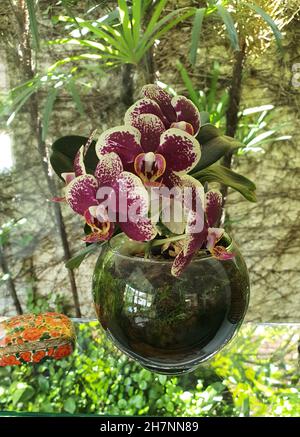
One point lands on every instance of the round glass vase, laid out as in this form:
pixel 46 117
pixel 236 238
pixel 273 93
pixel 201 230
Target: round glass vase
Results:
pixel 169 325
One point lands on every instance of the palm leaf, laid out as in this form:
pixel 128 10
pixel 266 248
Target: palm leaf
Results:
pixel 47 111
pixel 266 17
pixel 196 31
pixel 33 23
pixel 229 24
pixel 169 26
pixel 193 94
pixel 75 96
pixel 136 18
pixel 126 23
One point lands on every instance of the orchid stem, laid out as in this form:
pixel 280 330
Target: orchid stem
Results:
pixel 167 240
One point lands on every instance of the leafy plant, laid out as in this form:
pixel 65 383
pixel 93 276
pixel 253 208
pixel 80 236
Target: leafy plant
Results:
pixel 97 379
pixel 223 10
pixel 256 128
pixel 121 36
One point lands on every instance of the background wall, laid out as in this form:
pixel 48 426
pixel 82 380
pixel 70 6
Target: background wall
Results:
pixel 268 232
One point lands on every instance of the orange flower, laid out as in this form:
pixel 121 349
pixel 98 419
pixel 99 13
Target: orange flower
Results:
pixel 63 351
pixel 38 356
pixel 50 352
pixel 25 356
pixel 32 334
pixel 10 360
pixel 54 333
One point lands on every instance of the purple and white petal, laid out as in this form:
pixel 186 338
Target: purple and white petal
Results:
pixel 108 169
pixel 170 179
pixel 79 167
pixel 187 111
pixel 193 191
pixel 180 263
pixel 192 243
pixel 213 236
pixel 133 207
pixel 196 233
pixel 144 106
pixel 68 177
pixel 173 215
pixel 154 92
pixel 122 140
pixel 180 149
pixel 183 125
pixel 140 230
pixel 213 207
pixel 151 127
pixel 132 196
pixel 81 193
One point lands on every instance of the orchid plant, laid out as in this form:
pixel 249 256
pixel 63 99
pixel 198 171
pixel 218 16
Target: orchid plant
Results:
pixel 145 178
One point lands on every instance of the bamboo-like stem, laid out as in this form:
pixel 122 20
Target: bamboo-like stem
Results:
pixel 233 107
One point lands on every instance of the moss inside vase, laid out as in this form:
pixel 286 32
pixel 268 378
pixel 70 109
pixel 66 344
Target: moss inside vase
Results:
pixel 168 324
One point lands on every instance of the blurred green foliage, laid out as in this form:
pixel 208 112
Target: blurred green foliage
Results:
pixel 256 376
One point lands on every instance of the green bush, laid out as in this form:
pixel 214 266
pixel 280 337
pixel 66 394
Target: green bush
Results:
pixel 98 379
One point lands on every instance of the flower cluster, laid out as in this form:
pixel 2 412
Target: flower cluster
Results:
pixel 142 181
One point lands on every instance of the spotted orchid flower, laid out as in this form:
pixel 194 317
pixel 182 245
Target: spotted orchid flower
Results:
pixel 207 238
pixel 158 156
pixel 82 191
pixel 174 112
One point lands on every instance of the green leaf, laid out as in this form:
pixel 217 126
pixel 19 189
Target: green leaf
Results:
pixel 225 176
pixel 43 383
pixel 77 259
pixel 76 97
pixel 155 17
pixel 161 28
pixel 196 31
pixel 23 393
pixel 266 17
pixel 70 405
pixel 20 106
pixel 136 18
pixel 193 94
pixel 204 118
pixel 214 145
pixel 47 111
pixel 229 24
pixel 63 154
pixel 68 5
pixel 33 23
pixel 126 24
pixel 113 41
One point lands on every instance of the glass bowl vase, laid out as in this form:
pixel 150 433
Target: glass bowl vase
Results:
pixel 169 325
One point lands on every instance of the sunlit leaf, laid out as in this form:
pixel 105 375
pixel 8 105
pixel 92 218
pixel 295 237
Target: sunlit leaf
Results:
pixel 266 17
pixel 230 27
